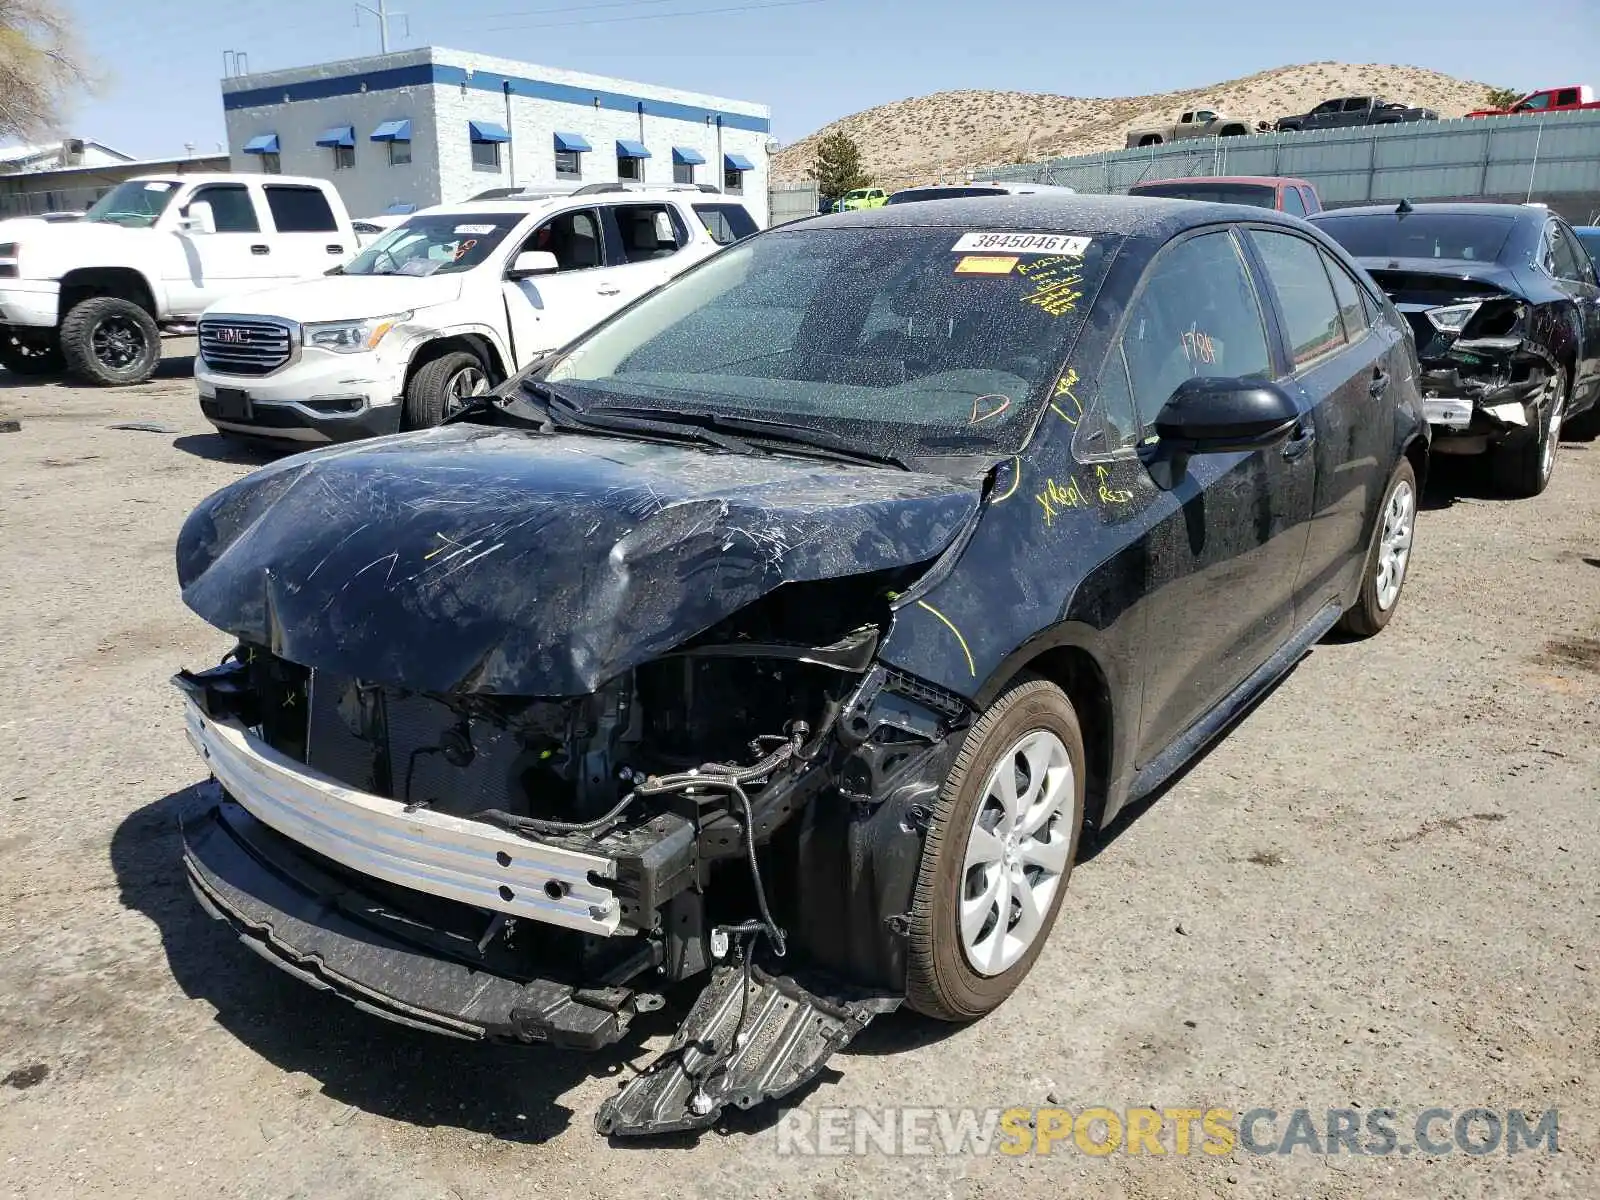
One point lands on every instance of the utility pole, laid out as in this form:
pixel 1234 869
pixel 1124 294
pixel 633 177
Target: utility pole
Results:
pixel 384 16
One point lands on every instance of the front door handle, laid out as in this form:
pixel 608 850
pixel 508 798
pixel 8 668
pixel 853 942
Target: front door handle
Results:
pixel 1380 382
pixel 259 248
pixel 334 248
pixel 609 291
pixel 1301 440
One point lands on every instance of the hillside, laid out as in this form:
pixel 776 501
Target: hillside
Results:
pixel 922 138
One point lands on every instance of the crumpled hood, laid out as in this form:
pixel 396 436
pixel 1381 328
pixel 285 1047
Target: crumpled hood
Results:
pixel 476 559
pixel 343 297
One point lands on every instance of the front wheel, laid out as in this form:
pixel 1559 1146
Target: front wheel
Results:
pixel 110 341
pixel 443 386
pixel 30 352
pixel 998 854
pixel 1388 557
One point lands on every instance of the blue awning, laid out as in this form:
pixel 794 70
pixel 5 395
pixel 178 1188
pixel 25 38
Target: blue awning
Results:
pixel 573 143
pixel 631 149
pixel 267 143
pixel 392 131
pixel 737 162
pixel 400 209
pixel 488 131
pixel 687 156
pixel 339 135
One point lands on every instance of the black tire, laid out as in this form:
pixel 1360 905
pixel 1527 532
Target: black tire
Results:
pixel 30 353
pixel 110 342
pixel 1234 131
pixel 1584 427
pixel 1151 140
pixel 1368 615
pixel 429 397
pixel 1520 466
pixel 940 981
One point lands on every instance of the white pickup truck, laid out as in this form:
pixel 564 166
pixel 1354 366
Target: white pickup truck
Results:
pixel 98 294
pixel 444 306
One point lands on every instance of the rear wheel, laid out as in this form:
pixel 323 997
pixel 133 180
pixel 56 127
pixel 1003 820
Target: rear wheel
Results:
pixel 1150 140
pixel 443 386
pixel 998 854
pixel 30 352
pixel 110 341
pixel 1522 468
pixel 1388 557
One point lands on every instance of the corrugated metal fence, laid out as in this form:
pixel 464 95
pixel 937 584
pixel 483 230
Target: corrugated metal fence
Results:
pixel 791 201
pixel 1554 159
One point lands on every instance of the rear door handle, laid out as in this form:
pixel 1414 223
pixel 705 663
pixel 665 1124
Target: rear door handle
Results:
pixel 1380 382
pixel 334 248
pixel 258 248
pixel 611 291
pixel 1301 440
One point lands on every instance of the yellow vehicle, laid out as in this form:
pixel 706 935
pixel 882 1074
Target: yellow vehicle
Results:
pixel 863 198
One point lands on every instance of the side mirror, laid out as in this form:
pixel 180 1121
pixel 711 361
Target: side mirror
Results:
pixel 533 262
pixel 1222 416
pixel 198 218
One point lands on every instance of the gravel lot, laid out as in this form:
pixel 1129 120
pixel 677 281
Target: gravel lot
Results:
pixel 1379 890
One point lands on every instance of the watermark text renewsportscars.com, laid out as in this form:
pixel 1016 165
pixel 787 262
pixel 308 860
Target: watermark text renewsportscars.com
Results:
pixel 1097 1131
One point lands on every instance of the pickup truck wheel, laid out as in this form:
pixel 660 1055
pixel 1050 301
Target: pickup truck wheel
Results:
pixel 442 386
pixel 1388 556
pixel 1151 140
pixel 1522 467
pixel 998 854
pixel 30 353
pixel 110 341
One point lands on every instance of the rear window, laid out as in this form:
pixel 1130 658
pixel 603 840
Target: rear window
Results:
pixel 726 223
pixel 300 210
pixel 945 193
pixel 1255 195
pixel 1420 235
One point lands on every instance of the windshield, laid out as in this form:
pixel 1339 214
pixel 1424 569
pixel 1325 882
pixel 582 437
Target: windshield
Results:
pixel 1420 235
pixel 1256 196
pixel 910 342
pixel 436 244
pixel 137 202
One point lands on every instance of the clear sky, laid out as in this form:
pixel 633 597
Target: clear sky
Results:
pixel 816 60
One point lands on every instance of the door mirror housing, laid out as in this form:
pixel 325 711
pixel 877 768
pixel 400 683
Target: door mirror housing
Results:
pixel 533 262
pixel 1223 416
pixel 198 218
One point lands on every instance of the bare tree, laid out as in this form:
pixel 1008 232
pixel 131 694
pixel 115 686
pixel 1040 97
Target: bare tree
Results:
pixel 39 65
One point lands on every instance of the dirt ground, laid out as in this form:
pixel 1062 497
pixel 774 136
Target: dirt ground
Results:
pixel 1380 890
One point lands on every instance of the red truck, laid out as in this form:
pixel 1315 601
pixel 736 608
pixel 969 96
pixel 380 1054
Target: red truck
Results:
pixel 1288 195
pixel 1560 99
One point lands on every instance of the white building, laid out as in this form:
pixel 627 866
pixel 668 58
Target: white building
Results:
pixel 431 125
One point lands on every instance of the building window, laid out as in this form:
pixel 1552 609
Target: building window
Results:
pixel 399 153
pixel 271 164
pixel 344 157
pixel 733 180
pixel 486 156
pixel 682 172
pixel 630 168
pixel 569 164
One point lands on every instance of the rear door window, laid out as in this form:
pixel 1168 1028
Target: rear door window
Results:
pixel 1305 296
pixel 647 231
pixel 300 209
pixel 1352 312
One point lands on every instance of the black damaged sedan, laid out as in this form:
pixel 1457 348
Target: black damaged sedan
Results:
pixel 784 633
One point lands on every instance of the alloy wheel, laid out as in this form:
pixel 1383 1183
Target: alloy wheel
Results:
pixel 463 385
pixel 1394 547
pixel 1017 851
pixel 118 342
pixel 1547 459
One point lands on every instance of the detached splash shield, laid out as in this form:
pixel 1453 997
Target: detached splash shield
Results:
pixel 470 559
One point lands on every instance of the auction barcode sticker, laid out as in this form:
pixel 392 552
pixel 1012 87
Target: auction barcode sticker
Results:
pixel 1022 243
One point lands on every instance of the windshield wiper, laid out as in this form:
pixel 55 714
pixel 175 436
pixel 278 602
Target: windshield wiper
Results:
pixel 791 433
pixel 542 404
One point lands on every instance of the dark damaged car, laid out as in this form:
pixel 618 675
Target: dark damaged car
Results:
pixel 781 637
pixel 1503 302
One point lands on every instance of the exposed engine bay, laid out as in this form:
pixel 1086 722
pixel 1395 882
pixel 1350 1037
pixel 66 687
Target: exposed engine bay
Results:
pixel 750 804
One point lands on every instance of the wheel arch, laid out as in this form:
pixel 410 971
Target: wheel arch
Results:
pixel 1069 664
pixel 478 344
pixel 126 283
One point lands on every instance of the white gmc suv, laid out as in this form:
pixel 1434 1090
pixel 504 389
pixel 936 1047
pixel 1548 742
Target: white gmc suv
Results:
pixel 449 303
pixel 97 295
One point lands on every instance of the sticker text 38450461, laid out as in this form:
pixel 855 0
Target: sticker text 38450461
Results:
pixel 998 242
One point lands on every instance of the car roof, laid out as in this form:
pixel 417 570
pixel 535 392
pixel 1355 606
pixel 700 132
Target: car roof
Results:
pixel 1133 216
pixel 542 202
pixel 1462 209
pixel 1270 180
